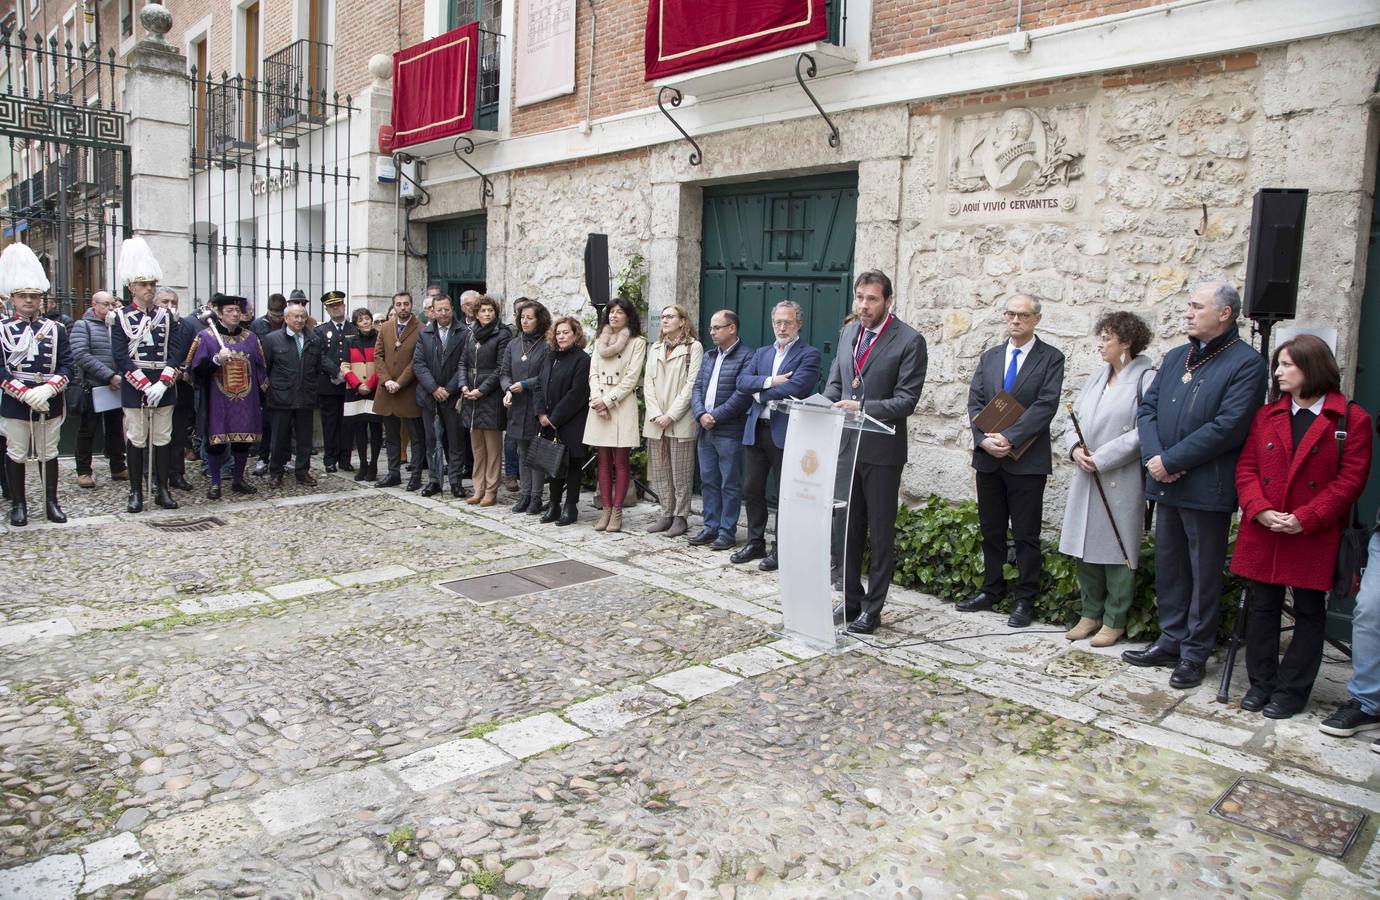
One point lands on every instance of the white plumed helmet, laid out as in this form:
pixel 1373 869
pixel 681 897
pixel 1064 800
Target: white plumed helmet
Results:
pixel 21 271
pixel 137 263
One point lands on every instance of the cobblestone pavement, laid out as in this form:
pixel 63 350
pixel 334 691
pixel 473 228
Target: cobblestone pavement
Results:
pixel 290 704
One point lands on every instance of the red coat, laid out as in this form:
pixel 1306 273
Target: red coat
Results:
pixel 1305 482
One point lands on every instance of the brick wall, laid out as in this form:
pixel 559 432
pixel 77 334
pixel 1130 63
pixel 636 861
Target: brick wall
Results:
pixel 619 85
pixel 907 26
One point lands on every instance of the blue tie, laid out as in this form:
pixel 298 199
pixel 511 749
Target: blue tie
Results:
pixel 1010 381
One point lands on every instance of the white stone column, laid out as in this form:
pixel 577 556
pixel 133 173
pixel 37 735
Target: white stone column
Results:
pixel 373 212
pixel 154 90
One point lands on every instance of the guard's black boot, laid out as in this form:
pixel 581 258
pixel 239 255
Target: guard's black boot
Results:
pixel 135 457
pixel 162 462
pixel 19 510
pixel 50 486
pixel 4 470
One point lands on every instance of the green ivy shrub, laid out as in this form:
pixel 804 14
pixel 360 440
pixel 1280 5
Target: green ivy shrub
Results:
pixel 939 551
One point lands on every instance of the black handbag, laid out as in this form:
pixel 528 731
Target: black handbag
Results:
pixel 549 455
pixel 1351 552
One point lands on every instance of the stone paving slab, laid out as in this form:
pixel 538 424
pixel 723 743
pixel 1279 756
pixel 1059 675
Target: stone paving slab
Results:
pixel 534 734
pixel 291 808
pixel 297 589
pixel 33 631
pixel 444 763
pixel 50 878
pixel 611 712
pixel 757 661
pixel 114 861
pixel 694 682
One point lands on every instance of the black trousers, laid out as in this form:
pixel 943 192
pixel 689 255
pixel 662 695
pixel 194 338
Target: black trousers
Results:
pixel 871 514
pixel 112 426
pixel 1290 679
pixel 291 433
pixel 392 442
pixel 266 442
pixel 448 436
pixel 335 430
pixel 184 419
pixel 1190 554
pixel 367 431
pixel 1018 501
pixel 760 460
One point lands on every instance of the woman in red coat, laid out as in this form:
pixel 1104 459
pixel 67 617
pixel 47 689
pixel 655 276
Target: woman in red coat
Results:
pixel 1297 484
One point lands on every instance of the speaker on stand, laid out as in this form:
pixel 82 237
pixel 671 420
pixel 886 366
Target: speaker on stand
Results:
pixel 597 271
pixel 1273 261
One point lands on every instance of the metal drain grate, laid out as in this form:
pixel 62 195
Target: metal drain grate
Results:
pixel 1324 827
pixel 487 589
pixel 182 526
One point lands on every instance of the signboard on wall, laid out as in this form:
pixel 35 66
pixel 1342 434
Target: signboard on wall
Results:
pixel 545 50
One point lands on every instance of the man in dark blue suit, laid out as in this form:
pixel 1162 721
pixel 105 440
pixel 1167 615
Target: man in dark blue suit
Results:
pixel 788 368
pixel 719 409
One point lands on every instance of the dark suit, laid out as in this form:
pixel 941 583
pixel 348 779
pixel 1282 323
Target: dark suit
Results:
pixel 330 392
pixel 439 366
pixel 292 378
pixel 766 438
pixel 890 383
pixel 1013 490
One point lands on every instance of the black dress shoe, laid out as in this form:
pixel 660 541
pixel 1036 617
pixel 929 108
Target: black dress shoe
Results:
pixel 362 474
pixel 1022 615
pixel 459 491
pixel 330 467
pixel 346 467
pixel 723 542
pixel 1281 709
pixel 768 563
pixel 976 603
pixel 842 613
pixel 180 482
pixel 431 489
pixel 213 492
pixel 388 481
pixel 748 552
pixel 1154 655
pixel 1187 674
pixel 1255 699
pixel 865 623
pixel 414 482
pixel 240 487
pixel 706 536
pixel 276 481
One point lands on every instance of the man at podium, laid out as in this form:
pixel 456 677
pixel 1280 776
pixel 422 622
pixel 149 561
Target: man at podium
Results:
pixel 880 369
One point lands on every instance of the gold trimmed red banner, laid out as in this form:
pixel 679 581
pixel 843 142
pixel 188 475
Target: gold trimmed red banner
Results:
pixel 434 87
pixel 683 35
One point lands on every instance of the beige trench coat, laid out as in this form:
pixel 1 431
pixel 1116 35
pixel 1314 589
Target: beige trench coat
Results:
pixel 614 380
pixel 667 388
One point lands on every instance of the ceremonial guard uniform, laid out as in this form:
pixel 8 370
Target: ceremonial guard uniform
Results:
pixel 149 345
pixel 35 365
pixel 227 363
pixel 330 389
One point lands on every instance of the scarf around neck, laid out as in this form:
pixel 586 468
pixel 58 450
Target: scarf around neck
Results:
pixel 610 344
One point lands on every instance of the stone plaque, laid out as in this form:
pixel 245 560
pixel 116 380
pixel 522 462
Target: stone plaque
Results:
pixel 1015 165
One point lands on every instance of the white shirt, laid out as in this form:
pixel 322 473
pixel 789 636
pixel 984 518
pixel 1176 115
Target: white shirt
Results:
pixel 443 333
pixel 775 370
pixel 711 393
pixel 1315 409
pixel 1020 360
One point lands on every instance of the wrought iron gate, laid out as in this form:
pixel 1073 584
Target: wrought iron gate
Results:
pixel 65 177
pixel 271 180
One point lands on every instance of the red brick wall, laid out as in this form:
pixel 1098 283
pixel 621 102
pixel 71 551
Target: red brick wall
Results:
pixel 907 26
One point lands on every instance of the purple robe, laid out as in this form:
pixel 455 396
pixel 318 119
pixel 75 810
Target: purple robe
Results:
pixel 231 402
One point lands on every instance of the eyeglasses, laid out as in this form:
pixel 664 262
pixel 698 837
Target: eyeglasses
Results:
pixel 665 316
pixel 1023 316
pixel 719 327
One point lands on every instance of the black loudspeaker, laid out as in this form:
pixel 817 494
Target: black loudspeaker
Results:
pixel 1275 254
pixel 597 269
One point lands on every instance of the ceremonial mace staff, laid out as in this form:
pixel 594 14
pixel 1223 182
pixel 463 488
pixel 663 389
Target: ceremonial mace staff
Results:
pixel 1097 480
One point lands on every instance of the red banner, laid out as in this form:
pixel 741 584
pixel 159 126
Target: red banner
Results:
pixel 434 87
pixel 683 35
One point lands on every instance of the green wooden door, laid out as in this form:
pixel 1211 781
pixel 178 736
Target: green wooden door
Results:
pixel 455 254
pixel 766 242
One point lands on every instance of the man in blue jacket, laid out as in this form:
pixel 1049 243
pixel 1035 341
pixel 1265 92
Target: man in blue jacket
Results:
pixel 1192 423
pixel 788 368
pixel 719 409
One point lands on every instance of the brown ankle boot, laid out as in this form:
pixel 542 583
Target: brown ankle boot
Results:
pixel 1107 637
pixel 604 515
pixel 615 520
pixel 1085 628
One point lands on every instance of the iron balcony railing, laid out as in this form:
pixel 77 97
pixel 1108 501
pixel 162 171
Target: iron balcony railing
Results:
pixel 295 84
pixel 230 117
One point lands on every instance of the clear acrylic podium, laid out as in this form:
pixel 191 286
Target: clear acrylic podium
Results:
pixel 816 480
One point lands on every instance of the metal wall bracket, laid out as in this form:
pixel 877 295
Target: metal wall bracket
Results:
pixel 696 157
pixel 810 73
pixel 468 149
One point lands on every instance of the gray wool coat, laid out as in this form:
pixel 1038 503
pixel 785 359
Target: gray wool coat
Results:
pixel 1108 418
